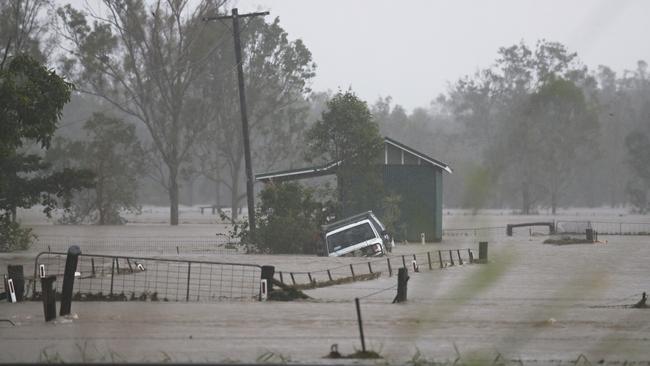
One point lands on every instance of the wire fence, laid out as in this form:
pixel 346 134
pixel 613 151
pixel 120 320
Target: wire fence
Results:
pixel 361 271
pixel 219 244
pixel 105 277
pixel 479 232
pixel 603 227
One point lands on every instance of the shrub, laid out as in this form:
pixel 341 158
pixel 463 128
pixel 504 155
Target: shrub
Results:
pixel 13 237
pixel 288 219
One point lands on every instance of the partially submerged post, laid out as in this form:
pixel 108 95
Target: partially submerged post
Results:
pixel 363 340
pixel 482 252
pixel 68 279
pixel 16 274
pixel 267 276
pixel 402 280
pixel 49 297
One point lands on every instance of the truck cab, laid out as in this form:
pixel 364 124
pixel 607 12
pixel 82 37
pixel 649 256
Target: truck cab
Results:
pixel 358 235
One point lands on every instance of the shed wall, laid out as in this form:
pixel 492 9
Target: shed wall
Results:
pixel 420 188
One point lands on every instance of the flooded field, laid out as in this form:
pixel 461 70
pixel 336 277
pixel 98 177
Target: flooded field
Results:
pixel 533 302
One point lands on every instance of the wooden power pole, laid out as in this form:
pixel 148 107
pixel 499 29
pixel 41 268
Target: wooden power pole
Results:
pixel 250 193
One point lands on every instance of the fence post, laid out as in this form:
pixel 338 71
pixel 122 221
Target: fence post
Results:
pixel 390 269
pixel 267 274
pixel 402 280
pixel 363 341
pixel 329 275
pixel 482 252
pixel 471 256
pixel 293 279
pixel 18 276
pixel 451 258
pixel 187 288
pixel 403 262
pixel 352 271
pixel 370 267
pixel 460 259
pixel 49 297
pixel 310 279
pixel 509 229
pixel 281 278
pixel 429 259
pixel 440 257
pixel 112 274
pixel 68 279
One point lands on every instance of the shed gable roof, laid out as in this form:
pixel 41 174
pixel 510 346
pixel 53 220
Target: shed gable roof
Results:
pixel 330 168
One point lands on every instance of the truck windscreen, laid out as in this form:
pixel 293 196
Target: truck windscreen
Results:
pixel 354 235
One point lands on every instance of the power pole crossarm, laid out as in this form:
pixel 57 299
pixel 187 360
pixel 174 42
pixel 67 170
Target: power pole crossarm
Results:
pixel 250 193
pixel 247 15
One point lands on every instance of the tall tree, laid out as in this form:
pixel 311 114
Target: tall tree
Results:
pixel 347 133
pixel 564 126
pixel 638 148
pixel 32 98
pixel 277 71
pixel 504 105
pixel 112 151
pixel 145 60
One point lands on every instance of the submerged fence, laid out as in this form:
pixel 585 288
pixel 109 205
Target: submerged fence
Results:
pixel 219 244
pixel 388 265
pixel 603 227
pixel 156 279
pixel 479 232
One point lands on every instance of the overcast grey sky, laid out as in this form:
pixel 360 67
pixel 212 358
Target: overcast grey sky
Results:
pixel 412 49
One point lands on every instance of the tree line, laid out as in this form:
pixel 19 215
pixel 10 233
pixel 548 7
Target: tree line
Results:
pixel 155 109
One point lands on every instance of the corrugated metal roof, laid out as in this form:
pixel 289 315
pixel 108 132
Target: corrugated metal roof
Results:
pixel 330 168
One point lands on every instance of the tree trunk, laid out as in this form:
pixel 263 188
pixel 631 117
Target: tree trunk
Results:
pixel 100 202
pixel 525 195
pixel 173 195
pixel 190 191
pixel 234 193
pixel 553 203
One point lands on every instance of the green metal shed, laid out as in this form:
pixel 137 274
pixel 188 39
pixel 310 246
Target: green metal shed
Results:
pixel 414 176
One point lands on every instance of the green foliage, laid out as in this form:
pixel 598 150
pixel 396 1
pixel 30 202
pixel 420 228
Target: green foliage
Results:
pixel 347 133
pixel 32 98
pixel 477 188
pixel 13 237
pixel 145 59
pixel 113 154
pixel 531 118
pixel 638 152
pixel 289 219
pixel 277 71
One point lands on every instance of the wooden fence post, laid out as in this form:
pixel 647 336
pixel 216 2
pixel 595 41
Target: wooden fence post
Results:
pixel 390 269
pixel 402 280
pixel 68 279
pixel 483 252
pixel 49 297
